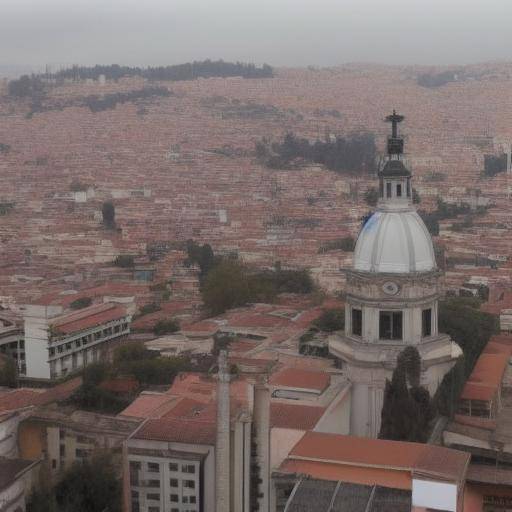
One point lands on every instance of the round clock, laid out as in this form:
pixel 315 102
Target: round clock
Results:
pixel 390 288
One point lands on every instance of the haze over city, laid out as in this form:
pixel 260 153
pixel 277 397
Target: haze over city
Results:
pixel 255 256
pixel 280 32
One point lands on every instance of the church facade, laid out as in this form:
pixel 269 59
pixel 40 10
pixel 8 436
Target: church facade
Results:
pixel 392 297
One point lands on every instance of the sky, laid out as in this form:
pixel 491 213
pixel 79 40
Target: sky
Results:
pixel 279 32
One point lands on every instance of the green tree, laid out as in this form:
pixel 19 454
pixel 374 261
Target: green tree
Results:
pixel 131 351
pixel 331 320
pixel 93 485
pixel 166 327
pixel 371 196
pixel 471 328
pixel 226 286
pixel 407 410
pixel 80 303
pixel 108 212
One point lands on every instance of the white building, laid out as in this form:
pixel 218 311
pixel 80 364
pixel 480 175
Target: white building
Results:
pixel 392 298
pixel 57 344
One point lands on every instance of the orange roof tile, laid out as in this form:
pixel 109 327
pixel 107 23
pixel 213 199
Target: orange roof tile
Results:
pixel 25 397
pixel 178 430
pixel 379 453
pixel 148 405
pixel 303 379
pixel 88 317
pixel 299 417
pixel 357 475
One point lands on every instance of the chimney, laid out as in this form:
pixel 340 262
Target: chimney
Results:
pixel 222 455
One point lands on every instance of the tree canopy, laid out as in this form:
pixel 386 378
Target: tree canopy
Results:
pixel 355 153
pixel 407 410
pixel 178 72
pixel 90 485
pixel 471 329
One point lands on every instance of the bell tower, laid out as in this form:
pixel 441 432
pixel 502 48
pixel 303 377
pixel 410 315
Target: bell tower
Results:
pixel 392 297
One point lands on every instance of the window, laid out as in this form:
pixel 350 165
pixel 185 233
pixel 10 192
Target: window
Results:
pixel 192 499
pixel 357 322
pixel 399 190
pixel 153 467
pixel 173 482
pixel 173 466
pixel 388 189
pixel 153 509
pixel 426 322
pixel 153 483
pixel 191 484
pixel 189 468
pixel 174 498
pixel 390 325
pixel 408 188
pixel 175 510
pixel 153 496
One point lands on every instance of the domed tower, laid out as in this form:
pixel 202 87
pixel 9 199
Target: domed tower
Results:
pixel 392 297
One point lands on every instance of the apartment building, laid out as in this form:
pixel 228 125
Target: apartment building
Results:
pixel 57 344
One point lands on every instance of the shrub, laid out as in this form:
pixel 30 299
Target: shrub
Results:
pixel 80 303
pixel 331 320
pixel 166 327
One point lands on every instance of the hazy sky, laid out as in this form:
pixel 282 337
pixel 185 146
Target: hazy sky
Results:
pixel 280 32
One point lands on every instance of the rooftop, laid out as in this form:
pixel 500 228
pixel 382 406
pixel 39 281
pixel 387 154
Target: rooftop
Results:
pixel 88 317
pixel 12 469
pixel 299 417
pixel 301 379
pixel 326 453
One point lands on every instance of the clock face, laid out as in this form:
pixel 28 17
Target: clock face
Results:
pixel 390 288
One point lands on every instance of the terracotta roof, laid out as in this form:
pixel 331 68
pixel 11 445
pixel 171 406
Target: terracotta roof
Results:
pixel 88 317
pixel 378 453
pixel 178 430
pixel 18 399
pixel 120 385
pixel 302 379
pixel 353 474
pixel 475 421
pixel 299 417
pixel 485 379
pixel 24 397
pixel 148 405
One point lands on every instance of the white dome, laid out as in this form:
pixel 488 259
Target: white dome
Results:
pixel 394 242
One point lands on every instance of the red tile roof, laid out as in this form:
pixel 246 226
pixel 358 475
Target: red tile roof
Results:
pixel 88 317
pixel 178 430
pixel 24 397
pixel 299 417
pixel 485 379
pixel 302 379
pixel 378 453
pixel 148 405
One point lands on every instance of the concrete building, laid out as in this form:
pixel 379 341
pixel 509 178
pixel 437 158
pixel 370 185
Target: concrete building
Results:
pixel 57 344
pixel 16 480
pixel 392 297
pixel 373 475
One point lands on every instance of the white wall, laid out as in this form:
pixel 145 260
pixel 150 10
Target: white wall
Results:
pixel 434 495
